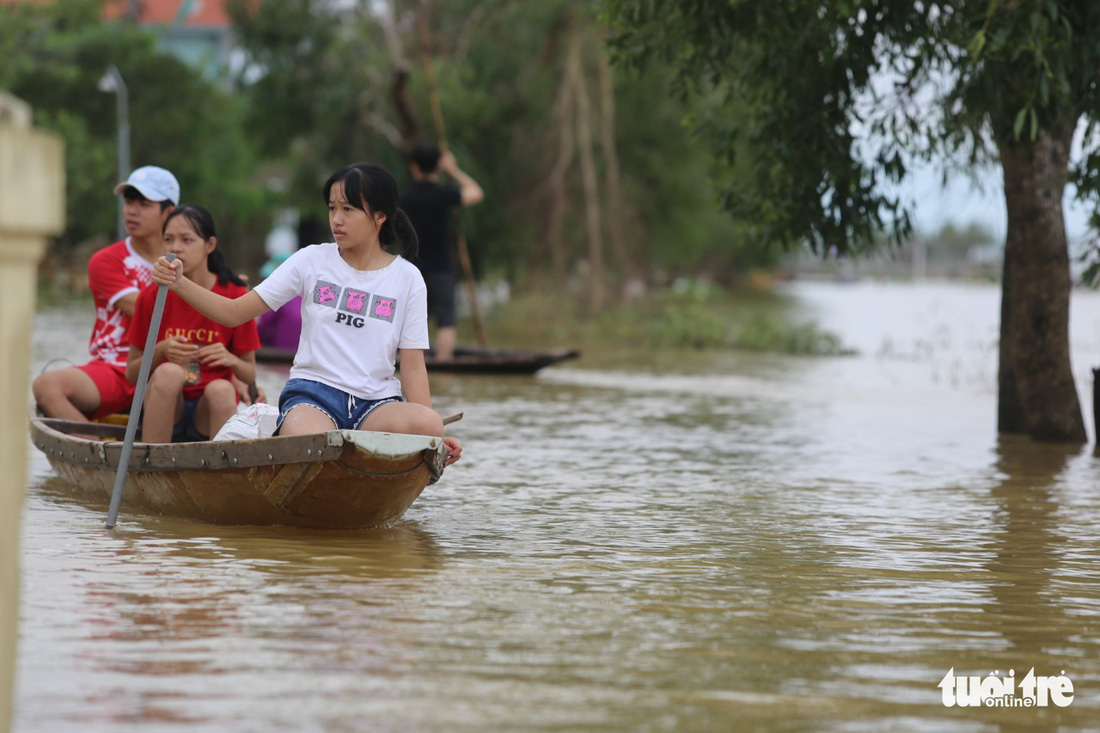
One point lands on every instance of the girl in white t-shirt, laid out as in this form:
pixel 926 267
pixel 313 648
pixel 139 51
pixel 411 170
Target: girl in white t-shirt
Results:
pixel 361 305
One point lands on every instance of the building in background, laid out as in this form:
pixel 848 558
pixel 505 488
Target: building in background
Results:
pixel 198 32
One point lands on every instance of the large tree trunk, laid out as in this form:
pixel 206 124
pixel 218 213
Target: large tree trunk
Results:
pixel 410 130
pixel 1010 412
pixel 611 155
pixel 1036 290
pixel 588 180
pixel 557 194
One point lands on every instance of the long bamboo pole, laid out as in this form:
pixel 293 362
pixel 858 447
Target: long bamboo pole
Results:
pixel 139 397
pixel 437 118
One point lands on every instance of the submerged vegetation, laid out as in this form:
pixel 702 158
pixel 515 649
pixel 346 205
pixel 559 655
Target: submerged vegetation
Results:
pixel 772 334
pixel 692 318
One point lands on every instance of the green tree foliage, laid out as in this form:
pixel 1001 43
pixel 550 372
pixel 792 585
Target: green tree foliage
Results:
pixel 316 82
pixel 319 82
pixel 791 74
pixel 840 94
pixel 55 55
pixel 681 226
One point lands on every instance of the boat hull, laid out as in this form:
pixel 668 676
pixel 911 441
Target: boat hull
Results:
pixel 343 479
pixel 466 360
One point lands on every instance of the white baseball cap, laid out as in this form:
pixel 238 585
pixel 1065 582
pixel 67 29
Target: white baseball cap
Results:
pixel 155 184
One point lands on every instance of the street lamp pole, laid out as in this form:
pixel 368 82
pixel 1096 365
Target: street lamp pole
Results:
pixel 112 81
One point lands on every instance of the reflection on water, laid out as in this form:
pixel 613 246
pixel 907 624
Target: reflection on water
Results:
pixel 1026 557
pixel 655 542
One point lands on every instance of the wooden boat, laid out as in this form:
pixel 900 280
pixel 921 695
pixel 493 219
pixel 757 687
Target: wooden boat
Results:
pixel 343 479
pixel 467 359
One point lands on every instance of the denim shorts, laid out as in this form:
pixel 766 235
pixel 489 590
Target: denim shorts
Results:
pixel 346 411
pixel 184 429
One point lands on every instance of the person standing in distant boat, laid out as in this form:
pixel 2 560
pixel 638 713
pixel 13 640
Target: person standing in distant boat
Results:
pixel 116 274
pixel 429 205
pixel 362 305
pixel 191 391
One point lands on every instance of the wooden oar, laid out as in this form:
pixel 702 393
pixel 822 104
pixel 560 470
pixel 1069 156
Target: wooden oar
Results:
pixel 437 118
pixel 139 397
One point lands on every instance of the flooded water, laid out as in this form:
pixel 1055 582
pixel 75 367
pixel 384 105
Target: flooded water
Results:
pixel 634 542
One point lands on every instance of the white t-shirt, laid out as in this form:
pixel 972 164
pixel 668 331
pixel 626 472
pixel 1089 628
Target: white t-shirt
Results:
pixel 353 321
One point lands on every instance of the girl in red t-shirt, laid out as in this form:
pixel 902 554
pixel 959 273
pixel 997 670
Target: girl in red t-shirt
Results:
pixel 190 394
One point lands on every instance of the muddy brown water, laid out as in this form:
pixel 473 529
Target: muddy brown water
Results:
pixel 633 541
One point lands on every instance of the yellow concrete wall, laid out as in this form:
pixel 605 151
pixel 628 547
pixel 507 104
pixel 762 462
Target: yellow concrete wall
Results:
pixel 32 207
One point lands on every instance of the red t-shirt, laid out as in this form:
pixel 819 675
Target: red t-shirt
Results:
pixel 180 319
pixel 114 272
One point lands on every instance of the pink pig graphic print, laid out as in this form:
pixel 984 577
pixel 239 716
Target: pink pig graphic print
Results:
pixel 326 294
pixel 383 308
pixel 355 301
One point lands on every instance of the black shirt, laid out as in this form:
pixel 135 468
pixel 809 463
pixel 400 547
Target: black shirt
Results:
pixel 429 205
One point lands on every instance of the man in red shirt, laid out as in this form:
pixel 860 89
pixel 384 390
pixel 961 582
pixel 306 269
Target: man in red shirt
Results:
pixel 116 274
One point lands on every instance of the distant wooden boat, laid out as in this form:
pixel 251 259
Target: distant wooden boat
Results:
pixel 343 479
pixel 467 359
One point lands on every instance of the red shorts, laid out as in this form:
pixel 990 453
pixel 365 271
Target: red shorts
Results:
pixel 115 391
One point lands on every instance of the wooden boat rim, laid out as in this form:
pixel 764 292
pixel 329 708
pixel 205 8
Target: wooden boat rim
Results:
pixel 229 454
pixel 490 360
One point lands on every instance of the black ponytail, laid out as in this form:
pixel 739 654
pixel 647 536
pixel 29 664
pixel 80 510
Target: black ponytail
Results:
pixel 203 223
pixel 399 228
pixel 216 264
